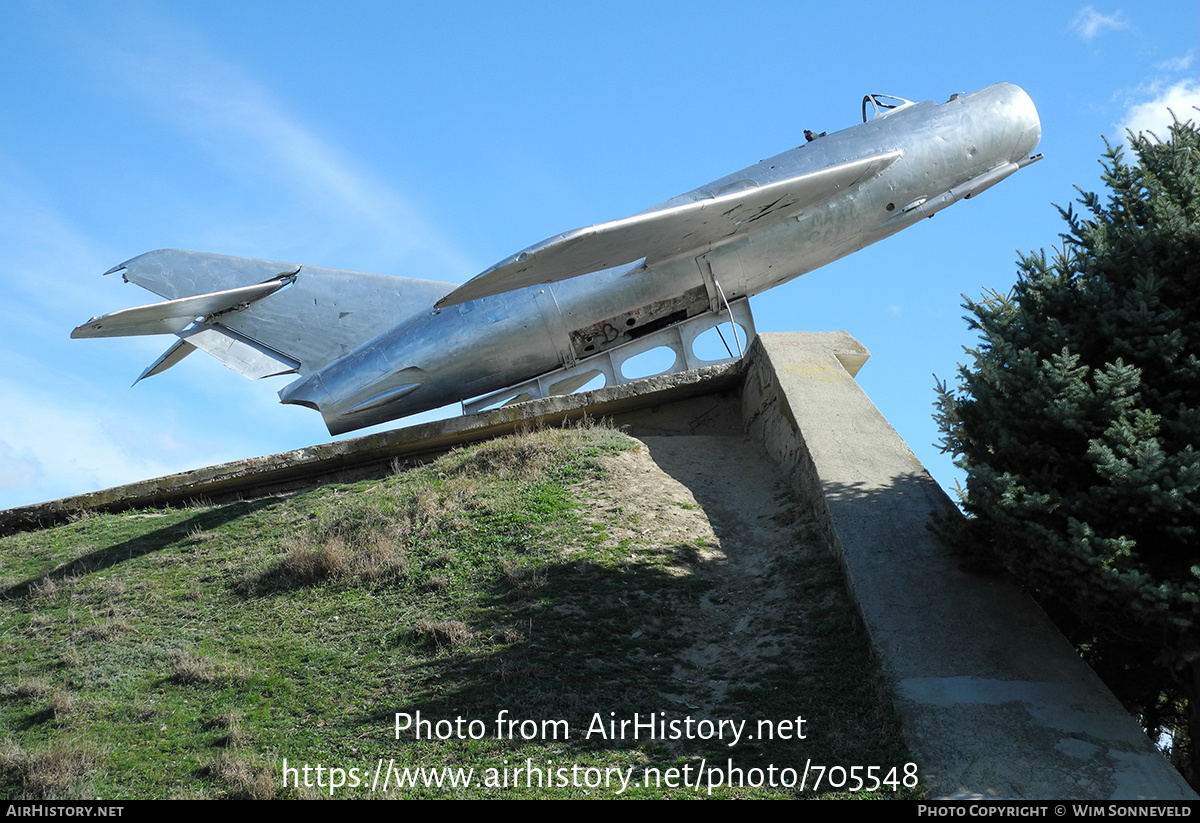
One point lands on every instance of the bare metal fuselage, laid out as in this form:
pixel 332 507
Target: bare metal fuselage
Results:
pixel 583 303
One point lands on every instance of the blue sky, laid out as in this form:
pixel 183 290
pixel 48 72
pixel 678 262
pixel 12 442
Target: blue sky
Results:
pixel 432 140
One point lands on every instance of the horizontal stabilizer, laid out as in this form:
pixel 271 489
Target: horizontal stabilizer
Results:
pixel 695 227
pixel 179 350
pixel 173 316
pixel 245 356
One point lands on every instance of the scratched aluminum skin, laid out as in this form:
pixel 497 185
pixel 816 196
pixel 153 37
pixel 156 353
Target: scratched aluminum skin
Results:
pixel 369 348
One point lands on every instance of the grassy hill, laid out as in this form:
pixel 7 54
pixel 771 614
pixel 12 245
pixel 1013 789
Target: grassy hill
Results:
pixel 523 592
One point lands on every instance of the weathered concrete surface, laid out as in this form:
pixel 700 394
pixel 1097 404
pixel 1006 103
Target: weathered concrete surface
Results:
pixel 994 700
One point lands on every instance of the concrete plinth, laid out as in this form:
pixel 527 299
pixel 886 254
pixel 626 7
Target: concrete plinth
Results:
pixel 994 701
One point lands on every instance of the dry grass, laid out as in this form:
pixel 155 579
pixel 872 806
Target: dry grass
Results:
pixel 307 564
pixel 196 535
pixel 442 634
pixel 511 673
pixel 311 560
pixel 44 589
pixel 195 670
pixel 235 736
pixel 189 670
pixel 518 457
pixel 34 687
pixel 245 779
pixel 508 634
pixel 38 622
pixel 62 705
pixel 106 629
pixel 59 773
pixel 523 581
pixel 385 559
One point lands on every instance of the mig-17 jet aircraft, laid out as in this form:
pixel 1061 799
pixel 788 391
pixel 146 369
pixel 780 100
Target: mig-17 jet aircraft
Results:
pixel 368 348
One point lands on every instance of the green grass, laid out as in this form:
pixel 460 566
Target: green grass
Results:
pixel 188 653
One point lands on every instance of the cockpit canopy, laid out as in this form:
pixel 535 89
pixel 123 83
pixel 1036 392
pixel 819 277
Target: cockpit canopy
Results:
pixel 881 105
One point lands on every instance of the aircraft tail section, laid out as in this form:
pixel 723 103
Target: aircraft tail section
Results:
pixel 260 317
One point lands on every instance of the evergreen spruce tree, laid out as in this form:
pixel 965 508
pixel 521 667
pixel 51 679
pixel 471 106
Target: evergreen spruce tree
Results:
pixel 1078 426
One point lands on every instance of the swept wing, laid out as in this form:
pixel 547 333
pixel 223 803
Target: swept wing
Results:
pixel 659 235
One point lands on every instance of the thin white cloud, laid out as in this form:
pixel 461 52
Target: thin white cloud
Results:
pixel 41 244
pixel 67 447
pixel 1155 115
pixel 233 116
pixel 19 468
pixel 1089 23
pixel 1174 65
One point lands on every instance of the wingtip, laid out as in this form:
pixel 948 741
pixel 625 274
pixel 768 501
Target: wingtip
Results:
pixel 146 372
pixel 176 352
pixel 83 330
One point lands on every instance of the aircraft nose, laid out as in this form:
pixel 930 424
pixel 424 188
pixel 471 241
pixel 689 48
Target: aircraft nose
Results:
pixel 1025 124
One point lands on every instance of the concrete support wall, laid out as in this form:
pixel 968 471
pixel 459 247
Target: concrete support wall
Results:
pixel 994 701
